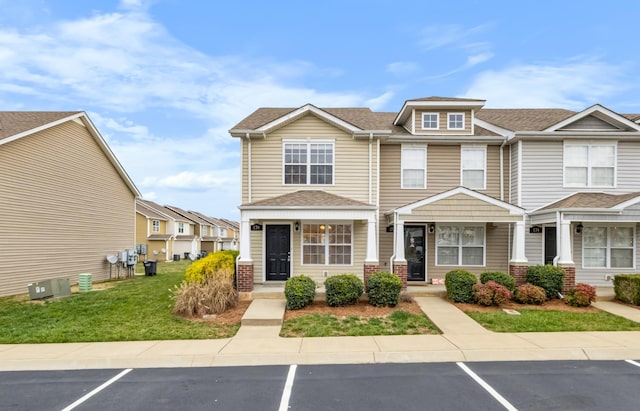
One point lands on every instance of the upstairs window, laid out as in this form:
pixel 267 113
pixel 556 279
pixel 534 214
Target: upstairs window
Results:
pixel 308 163
pixel 155 226
pixel 473 165
pixel 205 230
pixel 414 167
pixel 589 165
pixel 430 121
pixel 180 228
pixel 455 121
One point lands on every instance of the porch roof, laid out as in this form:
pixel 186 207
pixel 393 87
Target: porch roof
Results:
pixel 459 205
pixel 592 201
pixel 315 199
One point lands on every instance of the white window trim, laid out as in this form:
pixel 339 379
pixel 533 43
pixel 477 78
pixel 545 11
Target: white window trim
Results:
pixel 308 143
pixel 415 147
pixel 484 182
pixel 449 121
pixel 437 127
pixel 326 244
pixel 608 247
pixel 484 246
pixel 181 227
pixel 613 144
pixel 155 228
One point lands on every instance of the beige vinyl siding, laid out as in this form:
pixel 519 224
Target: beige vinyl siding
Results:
pixel 141 228
pixel 158 245
pixel 534 246
pixel 496 253
pixel 351 161
pixel 443 122
pixel 257 254
pixel 63 208
pixel 628 167
pixel 460 207
pixel 443 173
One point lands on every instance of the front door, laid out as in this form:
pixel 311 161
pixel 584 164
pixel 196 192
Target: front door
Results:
pixel 278 248
pixel 550 245
pixel 414 249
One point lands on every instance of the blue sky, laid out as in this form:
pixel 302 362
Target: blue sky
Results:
pixel 164 80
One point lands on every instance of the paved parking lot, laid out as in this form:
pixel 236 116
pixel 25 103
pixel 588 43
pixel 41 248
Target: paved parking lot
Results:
pixel 561 385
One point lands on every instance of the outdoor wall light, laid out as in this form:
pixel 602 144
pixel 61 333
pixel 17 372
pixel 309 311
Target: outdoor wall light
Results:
pixel 579 228
pixel 296 226
pixel 432 228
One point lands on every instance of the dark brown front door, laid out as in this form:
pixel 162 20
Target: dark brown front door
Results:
pixel 550 245
pixel 278 256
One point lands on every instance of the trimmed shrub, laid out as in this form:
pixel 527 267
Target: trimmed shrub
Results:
pixel 627 288
pixel 549 277
pixel 199 270
pixel 343 289
pixel 530 294
pixel 491 293
pixel 582 295
pixel 499 277
pixel 383 289
pixel 459 285
pixel 213 295
pixel 299 291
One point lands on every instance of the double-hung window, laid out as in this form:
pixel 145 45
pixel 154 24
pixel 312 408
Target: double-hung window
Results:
pixel 155 226
pixel 473 165
pixel 458 244
pixel 308 163
pixel 327 244
pixel 589 165
pixel 430 121
pixel 608 247
pixel 414 167
pixel 180 228
pixel 455 121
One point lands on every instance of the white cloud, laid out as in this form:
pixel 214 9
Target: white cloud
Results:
pixel 441 35
pixel 402 68
pixel 574 84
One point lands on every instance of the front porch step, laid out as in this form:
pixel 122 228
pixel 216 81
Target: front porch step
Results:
pixel 264 312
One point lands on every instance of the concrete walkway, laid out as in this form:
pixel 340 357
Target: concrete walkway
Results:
pixel 258 343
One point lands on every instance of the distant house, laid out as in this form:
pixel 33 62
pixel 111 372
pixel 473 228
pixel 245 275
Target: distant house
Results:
pixel 65 200
pixel 153 239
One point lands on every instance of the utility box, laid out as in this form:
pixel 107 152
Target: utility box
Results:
pixel 40 289
pixel 84 282
pixel 58 287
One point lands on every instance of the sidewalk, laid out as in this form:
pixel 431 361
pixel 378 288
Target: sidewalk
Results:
pixel 258 343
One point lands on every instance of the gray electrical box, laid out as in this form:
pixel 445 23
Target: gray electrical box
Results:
pixel 58 287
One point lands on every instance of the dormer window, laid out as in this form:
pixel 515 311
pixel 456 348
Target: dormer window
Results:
pixel 455 121
pixel 430 121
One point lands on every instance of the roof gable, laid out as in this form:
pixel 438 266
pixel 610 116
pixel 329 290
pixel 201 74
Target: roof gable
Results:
pixel 595 117
pixel 435 102
pixel 308 199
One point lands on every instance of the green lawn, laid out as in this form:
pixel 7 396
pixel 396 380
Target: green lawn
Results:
pixel 133 309
pixel 552 321
pixel 327 325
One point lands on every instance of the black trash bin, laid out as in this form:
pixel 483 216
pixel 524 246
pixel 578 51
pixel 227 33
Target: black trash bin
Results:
pixel 186 255
pixel 176 257
pixel 150 267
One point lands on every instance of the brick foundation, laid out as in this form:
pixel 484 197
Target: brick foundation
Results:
pixel 245 277
pixel 519 272
pixel 368 270
pixel 569 277
pixel 400 269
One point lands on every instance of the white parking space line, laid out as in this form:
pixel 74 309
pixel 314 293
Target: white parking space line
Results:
pixel 637 364
pixel 506 404
pixel 97 390
pixel 288 385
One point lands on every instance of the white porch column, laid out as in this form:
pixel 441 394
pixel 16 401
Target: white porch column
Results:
pixel 245 240
pixel 518 246
pixel 565 254
pixel 399 233
pixel 372 243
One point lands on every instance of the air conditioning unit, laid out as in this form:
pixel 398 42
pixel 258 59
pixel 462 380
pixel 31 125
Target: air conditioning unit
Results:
pixel 58 287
